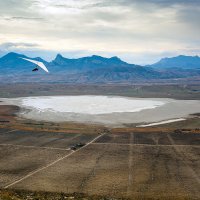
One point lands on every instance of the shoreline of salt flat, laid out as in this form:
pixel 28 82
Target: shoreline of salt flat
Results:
pixel 170 109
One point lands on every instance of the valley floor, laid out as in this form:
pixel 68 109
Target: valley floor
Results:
pixel 135 163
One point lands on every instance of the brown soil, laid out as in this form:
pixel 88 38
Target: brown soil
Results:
pixel 136 163
pixel 9 119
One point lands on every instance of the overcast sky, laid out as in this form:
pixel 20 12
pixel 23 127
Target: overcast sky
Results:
pixel 138 31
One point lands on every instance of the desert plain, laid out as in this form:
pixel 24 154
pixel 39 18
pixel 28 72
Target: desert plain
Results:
pixel 45 159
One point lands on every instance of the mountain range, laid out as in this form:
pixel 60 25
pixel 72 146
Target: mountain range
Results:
pixel 95 69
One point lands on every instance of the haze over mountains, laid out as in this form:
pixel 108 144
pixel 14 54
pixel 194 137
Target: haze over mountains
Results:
pixel 96 69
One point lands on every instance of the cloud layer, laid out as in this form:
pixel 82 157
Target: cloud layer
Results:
pixel 139 31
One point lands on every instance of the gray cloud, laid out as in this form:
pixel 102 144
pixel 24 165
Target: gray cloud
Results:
pixel 137 28
pixel 108 3
pixel 23 18
pixel 11 45
pixel 158 2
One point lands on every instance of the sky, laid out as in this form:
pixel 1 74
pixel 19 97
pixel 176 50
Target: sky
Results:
pixel 137 31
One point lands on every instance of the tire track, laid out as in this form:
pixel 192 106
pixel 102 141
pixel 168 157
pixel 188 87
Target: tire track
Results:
pixel 184 159
pixel 36 147
pixel 130 165
pixel 52 163
pixel 151 179
pixel 151 145
pixel 91 174
pixel 60 139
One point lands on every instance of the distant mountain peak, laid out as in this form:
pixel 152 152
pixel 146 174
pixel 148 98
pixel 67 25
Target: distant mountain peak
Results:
pixel 13 54
pixel 58 56
pixel 60 59
pixel 112 58
pixel 96 56
pixel 181 61
pixel 115 58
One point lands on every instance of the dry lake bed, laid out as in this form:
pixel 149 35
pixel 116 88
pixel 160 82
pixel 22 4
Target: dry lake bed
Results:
pixel 107 110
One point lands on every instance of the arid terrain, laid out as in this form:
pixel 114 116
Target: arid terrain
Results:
pixel 185 89
pixel 41 160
